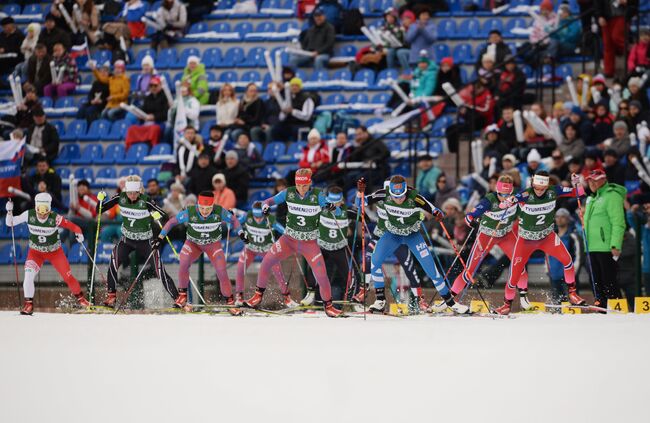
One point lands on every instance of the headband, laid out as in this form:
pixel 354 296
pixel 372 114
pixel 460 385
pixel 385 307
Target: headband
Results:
pixel 132 186
pixel 504 187
pixel 541 180
pixel 257 212
pixel 205 201
pixel 303 179
pixel 397 189
pixel 334 197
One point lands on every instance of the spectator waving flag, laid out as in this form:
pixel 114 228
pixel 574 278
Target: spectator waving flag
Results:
pixel 11 159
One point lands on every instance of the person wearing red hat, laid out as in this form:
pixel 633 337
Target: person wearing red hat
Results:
pixel 450 73
pixel 543 25
pixel 604 225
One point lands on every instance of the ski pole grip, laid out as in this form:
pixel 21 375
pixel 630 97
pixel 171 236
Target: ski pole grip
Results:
pixel 156 216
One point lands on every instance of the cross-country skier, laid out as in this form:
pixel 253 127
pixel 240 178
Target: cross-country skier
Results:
pixel 137 234
pixel 304 205
pixel 404 214
pixel 259 231
pixel 402 254
pixel 496 227
pixel 536 218
pixel 45 244
pixel 333 242
pixel 204 233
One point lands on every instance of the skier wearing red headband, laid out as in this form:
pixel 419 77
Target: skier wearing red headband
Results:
pixel 304 205
pixel 204 232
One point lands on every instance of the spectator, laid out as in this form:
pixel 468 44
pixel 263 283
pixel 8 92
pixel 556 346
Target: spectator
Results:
pixel 155 107
pixel 449 72
pixel 592 162
pixel 142 82
pixel 391 27
pixel 319 40
pixel 427 177
pixel 637 114
pixel 420 83
pixel 217 145
pixel 511 85
pixel 444 191
pixel 583 125
pixel 294 115
pixel 599 84
pixel 192 110
pixel 281 211
pixel 571 145
pixel 87 21
pixel 27 48
pixel 494 147
pixel 316 153
pixel 201 175
pixel 38 68
pixel 61 22
pixel 251 111
pixel 341 148
pixel 52 35
pixel 172 19
pixel 154 192
pixel 507 132
pixel 45 174
pixel 509 167
pixel 565 40
pixel 270 117
pixel 636 92
pixel 500 47
pixel 620 142
pixel 604 219
pixel 369 151
pixel 421 36
pixel 190 146
pixel 638 57
pixel 11 40
pixel 543 25
pixel 195 74
pixel 25 111
pixel 559 166
pixel 128 26
pixel 567 234
pixel 227 107
pixel 65 66
pixel 487 72
pixel 624 111
pixel 118 89
pixel 97 97
pixel 370 57
pixel 478 114
pixel 612 21
pixel 613 169
pixel 237 177
pixel 603 122
pixel 86 202
pixel 248 156
pixel 175 200
pixel 535 164
pixel 197 10
pixel 42 138
pixel 223 196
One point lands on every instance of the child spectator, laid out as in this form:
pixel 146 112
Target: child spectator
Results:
pixel 65 66
pixel 194 73
pixel 118 88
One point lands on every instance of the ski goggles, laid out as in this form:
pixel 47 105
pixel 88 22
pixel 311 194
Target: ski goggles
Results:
pixel 541 180
pixel 504 188
pixel 257 212
pixel 205 201
pixel 303 179
pixel 43 208
pixel 397 189
pixel 132 186
pixel 334 198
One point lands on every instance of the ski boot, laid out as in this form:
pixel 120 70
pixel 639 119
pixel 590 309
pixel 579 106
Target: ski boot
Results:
pixel 360 296
pixel 28 307
pixel 523 300
pixel 239 299
pixel 83 302
pixel 505 309
pixel 256 299
pixel 111 299
pixel 424 306
pixel 309 299
pixel 574 298
pixel 378 306
pixel 438 307
pixel 230 301
pixel 332 311
pixel 181 300
pixel 457 308
pixel 289 302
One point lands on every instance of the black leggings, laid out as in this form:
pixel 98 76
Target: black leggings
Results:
pixel 605 271
pixel 120 257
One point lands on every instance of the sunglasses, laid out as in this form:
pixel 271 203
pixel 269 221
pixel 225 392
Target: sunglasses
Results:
pixel 557 157
pixel 623 108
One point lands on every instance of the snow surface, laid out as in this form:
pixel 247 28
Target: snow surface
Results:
pixel 182 368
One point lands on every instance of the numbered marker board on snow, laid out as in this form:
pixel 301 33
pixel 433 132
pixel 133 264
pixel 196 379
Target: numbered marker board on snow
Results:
pixel 619 305
pixel 567 309
pixel 642 305
pixel 478 306
pixel 399 309
pixel 537 307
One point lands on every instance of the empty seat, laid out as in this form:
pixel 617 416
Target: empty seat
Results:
pixel 251 76
pixel 150 173
pixel 334 99
pixel 129 170
pixel 293 153
pixel 492 24
pixel 469 28
pixel 63 172
pixel 228 76
pixel 272 151
pixel 135 153
pixel 358 98
pixel 243 28
pixel 68 152
pixel 75 129
pixel 365 75
pixel 233 57
pixel 259 196
pixel 113 154
pixel 447 29
pixel 463 54
pixel 255 58
pixel 211 57
pixel 98 130
pixel 84 173
pixel 88 154
pixel 118 130
pixel 166 58
pixel 441 51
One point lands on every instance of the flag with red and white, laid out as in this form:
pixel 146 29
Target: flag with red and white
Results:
pixel 11 160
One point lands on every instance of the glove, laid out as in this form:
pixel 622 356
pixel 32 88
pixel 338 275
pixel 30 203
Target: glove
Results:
pixel 9 206
pixel 361 185
pixel 330 207
pixel 156 243
pixel 470 221
pixel 575 179
pixel 508 202
pixel 80 238
pixel 266 209
pixel 244 236
pixel 101 195
pixel 438 215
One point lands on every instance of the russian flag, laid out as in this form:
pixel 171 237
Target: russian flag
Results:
pixel 11 160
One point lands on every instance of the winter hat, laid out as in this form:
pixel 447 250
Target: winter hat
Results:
pixel 567 105
pixel 194 59
pixel 563 212
pixel 620 124
pixel 546 5
pixel 147 60
pixel 219 177
pixel 635 80
pixel 564 8
pixel 511 158
pixel 155 80
pixel 408 14
pixel 296 81
pixel 534 156
pixel 599 79
pixel 452 202
pixel 119 64
pixel 391 11
pixel 576 110
pixel 558 105
pixel 447 61
pixel 636 103
pixel 492 128
pixel 313 134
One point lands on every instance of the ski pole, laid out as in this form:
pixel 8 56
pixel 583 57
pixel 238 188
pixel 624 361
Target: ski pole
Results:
pixel 13 243
pixel 435 256
pixel 94 263
pixel 462 248
pixel 128 292
pixel 584 237
pixel 92 274
pixel 354 245
pixel 156 216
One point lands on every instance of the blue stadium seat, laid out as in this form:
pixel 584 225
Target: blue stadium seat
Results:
pixel 162 148
pixel 255 58
pixel 32 9
pixel 166 58
pixel 118 130
pixel 283 54
pixel 84 173
pixel 365 75
pixel 447 29
pixel 182 59
pixel 75 129
pixel 334 99
pixel 264 26
pixel 88 154
pixel 564 70
pixel 515 23
pixel 198 28
pixel 113 154
pixel 319 76
pixel 358 98
pixel 222 27
pixel 462 54
pixel 265 177
pixel 251 76
pixel 387 74
pixel 272 151
pixel 470 28
pixel 441 51
pixel 380 98
pixel 403 169
pixel 259 196
pixel 98 130
pixel 150 173
pixel 59 125
pixel 346 50
pixel 441 124
pixel 47 103
pixel 492 24
pixel 61 103
pixel 342 75
pixel 212 57
pixel 135 153
pixel 284 27
pixel 68 151
pixel 233 57
pixel 228 76
pixel 63 172
pixel 135 64
pixel 293 153
pixel 129 170
pixel 102 56
pixel 243 28
pixel 77 254
pixel 7 254
pixel 105 173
